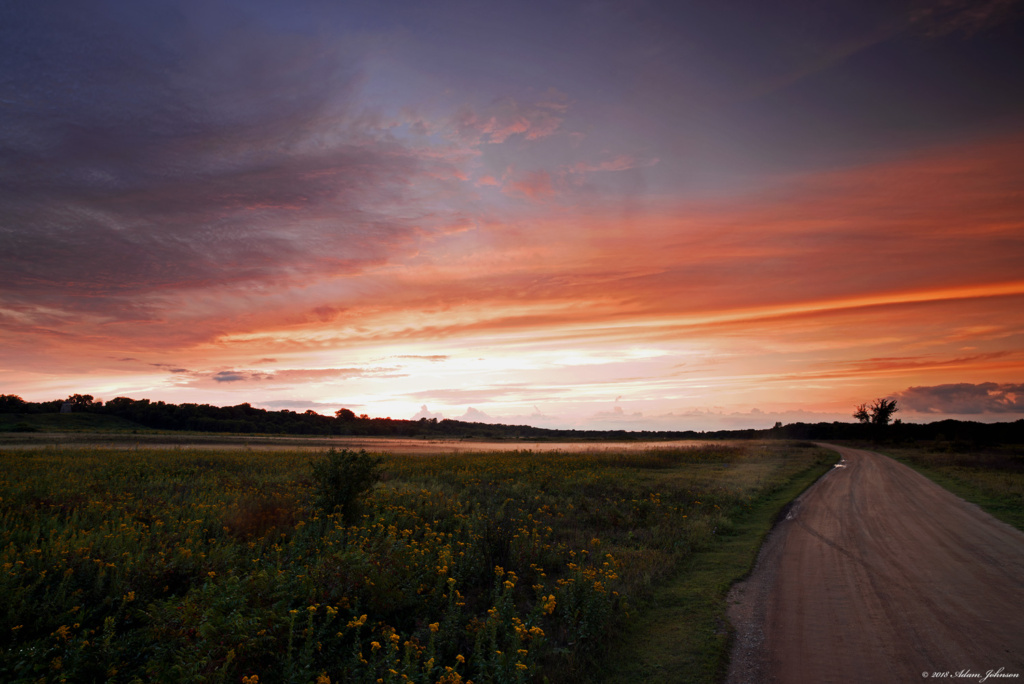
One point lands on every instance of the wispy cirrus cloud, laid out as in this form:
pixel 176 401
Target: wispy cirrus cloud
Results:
pixel 294 376
pixel 622 162
pixel 507 117
pixel 532 185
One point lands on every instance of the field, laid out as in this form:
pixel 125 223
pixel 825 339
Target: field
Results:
pixel 218 566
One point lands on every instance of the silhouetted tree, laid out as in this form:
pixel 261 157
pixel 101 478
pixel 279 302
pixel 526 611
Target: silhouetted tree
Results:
pixel 880 412
pixel 12 403
pixel 83 402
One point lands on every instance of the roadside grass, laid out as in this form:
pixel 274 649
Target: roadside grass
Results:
pixel 992 478
pixel 211 566
pixel 683 635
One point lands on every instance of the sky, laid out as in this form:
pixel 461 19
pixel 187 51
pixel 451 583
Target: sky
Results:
pixel 612 215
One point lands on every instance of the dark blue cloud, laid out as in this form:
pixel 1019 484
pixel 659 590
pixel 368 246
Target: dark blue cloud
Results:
pixel 177 144
pixel 964 398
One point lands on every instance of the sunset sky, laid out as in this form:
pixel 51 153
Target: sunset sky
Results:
pixel 638 215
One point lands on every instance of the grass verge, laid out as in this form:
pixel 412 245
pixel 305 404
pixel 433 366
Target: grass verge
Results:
pixel 991 478
pixel 683 636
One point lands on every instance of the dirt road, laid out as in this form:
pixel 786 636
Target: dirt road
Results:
pixel 879 575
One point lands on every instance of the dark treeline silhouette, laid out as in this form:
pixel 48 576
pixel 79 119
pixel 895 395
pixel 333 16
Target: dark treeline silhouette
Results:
pixel 964 433
pixel 245 418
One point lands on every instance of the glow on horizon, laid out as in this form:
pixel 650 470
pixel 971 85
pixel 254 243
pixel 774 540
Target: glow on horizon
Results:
pixel 689 224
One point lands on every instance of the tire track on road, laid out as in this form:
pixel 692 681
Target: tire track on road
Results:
pixel 880 575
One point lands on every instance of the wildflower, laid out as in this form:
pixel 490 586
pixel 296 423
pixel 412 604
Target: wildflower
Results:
pixel 522 666
pixel 374 645
pixel 460 658
pixel 434 626
pixel 254 679
pixel 323 679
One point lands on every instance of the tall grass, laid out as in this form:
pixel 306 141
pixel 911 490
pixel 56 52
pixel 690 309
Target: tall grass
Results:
pixel 205 566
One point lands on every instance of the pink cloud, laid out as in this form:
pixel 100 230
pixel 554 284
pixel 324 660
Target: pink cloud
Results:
pixel 534 185
pixel 506 118
pixel 622 162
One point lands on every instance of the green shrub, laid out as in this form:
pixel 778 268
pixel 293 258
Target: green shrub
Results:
pixel 340 478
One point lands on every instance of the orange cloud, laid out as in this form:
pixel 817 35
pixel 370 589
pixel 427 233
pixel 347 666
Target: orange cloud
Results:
pixel 817 291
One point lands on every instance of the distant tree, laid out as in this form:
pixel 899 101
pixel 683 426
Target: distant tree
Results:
pixel 344 414
pixel 880 412
pixel 82 402
pixel 11 403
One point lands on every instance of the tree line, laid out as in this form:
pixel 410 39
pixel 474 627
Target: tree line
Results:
pixel 245 418
pixel 873 424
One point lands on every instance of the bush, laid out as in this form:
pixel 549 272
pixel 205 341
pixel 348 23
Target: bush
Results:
pixel 340 478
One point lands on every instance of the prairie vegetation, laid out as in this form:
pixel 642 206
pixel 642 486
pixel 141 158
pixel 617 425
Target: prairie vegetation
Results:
pixel 207 566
